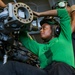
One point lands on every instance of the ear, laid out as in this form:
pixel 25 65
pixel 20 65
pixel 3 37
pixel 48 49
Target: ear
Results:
pixel 56 30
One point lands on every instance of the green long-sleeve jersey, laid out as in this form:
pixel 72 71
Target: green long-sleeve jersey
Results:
pixel 57 49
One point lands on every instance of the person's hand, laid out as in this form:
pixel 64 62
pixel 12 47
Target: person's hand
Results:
pixel 36 13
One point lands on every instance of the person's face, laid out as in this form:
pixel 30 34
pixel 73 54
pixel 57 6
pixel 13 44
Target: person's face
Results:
pixel 45 31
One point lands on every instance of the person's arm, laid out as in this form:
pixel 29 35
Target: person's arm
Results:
pixel 65 23
pixel 73 21
pixel 2 4
pixel 73 17
pixel 29 43
pixel 46 13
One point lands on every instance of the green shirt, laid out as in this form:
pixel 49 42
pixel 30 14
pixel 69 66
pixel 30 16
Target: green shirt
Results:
pixel 57 49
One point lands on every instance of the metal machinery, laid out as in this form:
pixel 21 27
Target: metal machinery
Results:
pixel 12 19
